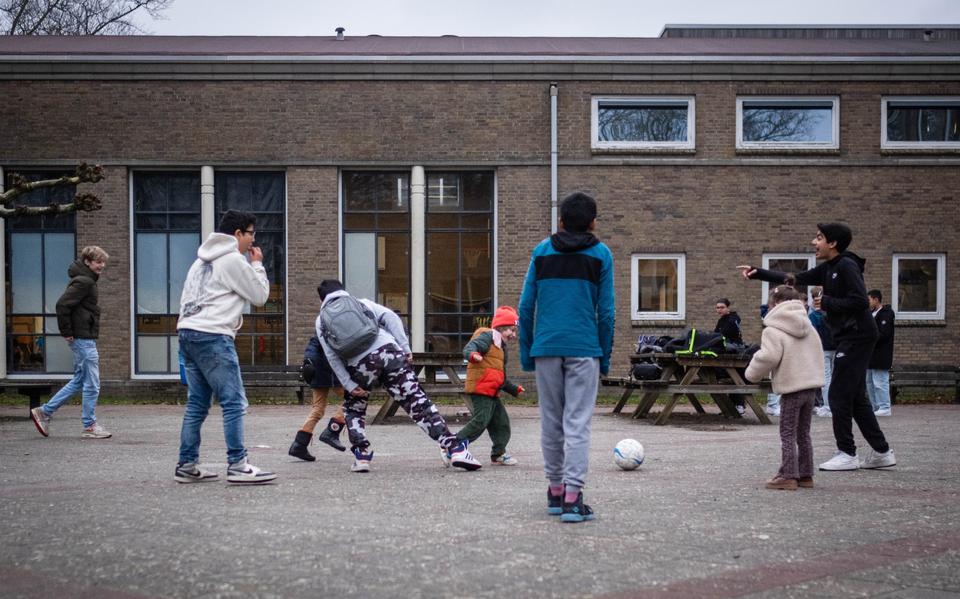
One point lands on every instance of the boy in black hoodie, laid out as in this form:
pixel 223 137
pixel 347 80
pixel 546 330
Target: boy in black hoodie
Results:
pixel 844 299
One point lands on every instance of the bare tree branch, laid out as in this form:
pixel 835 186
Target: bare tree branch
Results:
pixel 82 202
pixel 76 17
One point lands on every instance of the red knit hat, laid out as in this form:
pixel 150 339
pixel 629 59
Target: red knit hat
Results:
pixel 505 316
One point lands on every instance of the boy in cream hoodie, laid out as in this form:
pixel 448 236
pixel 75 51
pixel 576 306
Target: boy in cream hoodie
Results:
pixel 792 356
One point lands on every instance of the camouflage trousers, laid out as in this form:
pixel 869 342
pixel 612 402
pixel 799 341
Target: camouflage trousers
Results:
pixel 389 367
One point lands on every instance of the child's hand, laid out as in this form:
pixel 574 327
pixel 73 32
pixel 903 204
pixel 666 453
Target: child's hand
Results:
pixel 520 389
pixel 476 357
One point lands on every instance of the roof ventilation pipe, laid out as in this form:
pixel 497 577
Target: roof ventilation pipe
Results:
pixel 553 158
pixel 340 31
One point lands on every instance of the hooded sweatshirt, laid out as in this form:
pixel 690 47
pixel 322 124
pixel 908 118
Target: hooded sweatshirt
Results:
pixel 218 286
pixel 78 314
pixel 844 296
pixel 790 351
pixel 390 333
pixel 567 305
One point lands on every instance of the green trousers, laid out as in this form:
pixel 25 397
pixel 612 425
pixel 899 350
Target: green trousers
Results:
pixel 489 414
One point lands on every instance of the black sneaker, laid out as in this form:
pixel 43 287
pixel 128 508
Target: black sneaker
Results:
pixel 554 503
pixel 577 511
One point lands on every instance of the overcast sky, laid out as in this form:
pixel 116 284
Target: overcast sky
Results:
pixel 591 18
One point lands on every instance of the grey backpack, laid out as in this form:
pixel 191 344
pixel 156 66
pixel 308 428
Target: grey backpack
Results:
pixel 348 326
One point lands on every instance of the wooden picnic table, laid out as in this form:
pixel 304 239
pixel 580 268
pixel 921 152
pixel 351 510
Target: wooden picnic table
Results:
pixel 429 364
pixel 685 377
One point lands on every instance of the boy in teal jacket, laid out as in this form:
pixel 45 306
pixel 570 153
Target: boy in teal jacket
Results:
pixel 566 337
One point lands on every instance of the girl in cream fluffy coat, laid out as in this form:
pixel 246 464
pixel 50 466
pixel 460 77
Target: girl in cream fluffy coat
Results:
pixel 792 356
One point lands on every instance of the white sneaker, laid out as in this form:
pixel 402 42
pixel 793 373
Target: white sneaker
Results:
pixel 505 460
pixel 243 473
pixel 876 459
pixel 444 457
pixel 772 411
pixel 192 473
pixel 824 412
pixel 361 460
pixel 41 421
pixel 460 457
pixel 882 412
pixel 95 431
pixel 841 461
pixel 741 409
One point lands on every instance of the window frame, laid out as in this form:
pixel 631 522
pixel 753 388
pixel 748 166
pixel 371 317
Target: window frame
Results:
pixel 885 144
pixel 688 145
pixel 765 261
pixel 941 310
pixel 787 101
pixel 681 312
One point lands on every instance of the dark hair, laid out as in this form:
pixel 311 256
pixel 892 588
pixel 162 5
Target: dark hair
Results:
pixel 234 220
pixel 876 294
pixel 782 293
pixel 328 286
pixel 577 211
pixel 838 232
pixel 723 301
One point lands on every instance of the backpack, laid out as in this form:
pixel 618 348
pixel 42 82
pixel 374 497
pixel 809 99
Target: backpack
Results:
pixel 348 326
pixel 701 343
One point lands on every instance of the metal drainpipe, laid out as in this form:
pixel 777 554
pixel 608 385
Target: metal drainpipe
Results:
pixel 3 296
pixel 418 258
pixel 553 158
pixel 207 210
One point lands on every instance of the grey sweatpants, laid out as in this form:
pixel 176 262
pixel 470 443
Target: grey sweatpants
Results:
pixel 567 393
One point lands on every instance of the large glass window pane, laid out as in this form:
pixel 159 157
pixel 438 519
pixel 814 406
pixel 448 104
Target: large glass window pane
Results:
pixel 774 122
pixel 788 264
pixel 640 122
pixel 183 252
pixel 923 122
pixel 26 272
pixel 657 285
pixel 442 272
pixel 917 285
pixel 57 258
pixel 360 264
pixel 376 191
pixel 151 273
pixel 58 353
pixel 476 285
pixel 393 254
pixel 152 354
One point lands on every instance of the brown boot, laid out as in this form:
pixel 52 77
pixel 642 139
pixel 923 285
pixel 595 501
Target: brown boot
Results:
pixel 805 482
pixel 782 484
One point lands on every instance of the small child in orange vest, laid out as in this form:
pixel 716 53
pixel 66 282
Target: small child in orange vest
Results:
pixel 486 355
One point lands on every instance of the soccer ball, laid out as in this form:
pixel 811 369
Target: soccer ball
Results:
pixel 628 454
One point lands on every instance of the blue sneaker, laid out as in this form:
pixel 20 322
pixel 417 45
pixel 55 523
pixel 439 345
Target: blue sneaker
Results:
pixel 554 503
pixel 577 511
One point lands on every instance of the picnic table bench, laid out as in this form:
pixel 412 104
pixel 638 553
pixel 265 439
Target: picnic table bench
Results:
pixel 923 375
pixel 32 389
pixel 429 364
pixel 685 377
pixel 274 376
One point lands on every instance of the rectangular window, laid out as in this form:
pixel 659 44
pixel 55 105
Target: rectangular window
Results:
pixel 919 286
pixel 790 263
pixel 658 286
pixel 376 238
pixel 779 123
pixel 920 122
pixel 262 338
pixel 647 123
pixel 166 231
pixel 39 250
pixel 459 257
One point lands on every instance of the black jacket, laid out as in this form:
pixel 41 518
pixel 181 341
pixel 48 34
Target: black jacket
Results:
pixel 729 327
pixel 882 358
pixel 78 314
pixel 323 377
pixel 844 296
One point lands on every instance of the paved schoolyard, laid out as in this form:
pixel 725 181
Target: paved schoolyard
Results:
pixel 83 518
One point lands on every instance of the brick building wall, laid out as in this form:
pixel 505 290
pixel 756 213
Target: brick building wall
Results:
pixel 717 206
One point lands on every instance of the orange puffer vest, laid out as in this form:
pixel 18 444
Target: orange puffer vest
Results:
pixel 486 377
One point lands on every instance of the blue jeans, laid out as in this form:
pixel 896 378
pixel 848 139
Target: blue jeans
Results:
pixel 212 367
pixel 86 377
pixel 878 389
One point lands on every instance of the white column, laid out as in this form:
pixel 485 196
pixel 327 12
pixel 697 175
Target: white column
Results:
pixel 3 296
pixel 418 258
pixel 207 211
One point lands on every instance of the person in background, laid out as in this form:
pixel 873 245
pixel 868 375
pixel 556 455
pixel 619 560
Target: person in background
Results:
pixel 878 371
pixel 819 321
